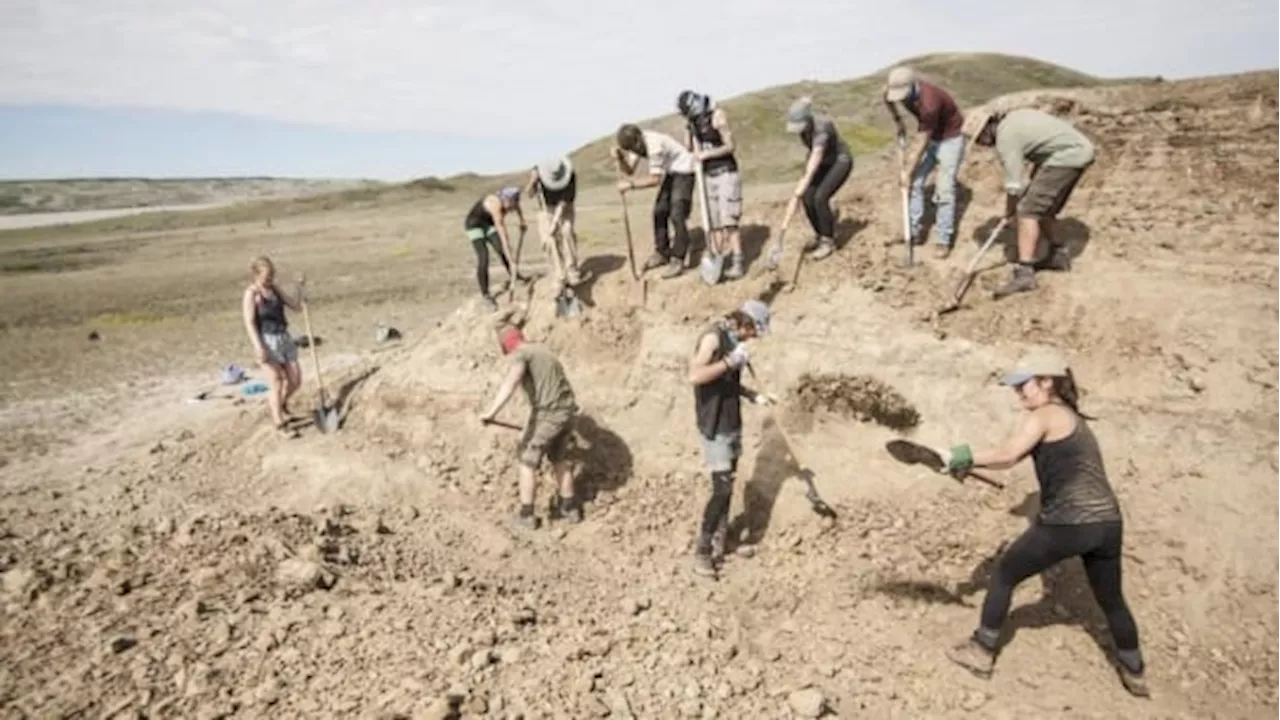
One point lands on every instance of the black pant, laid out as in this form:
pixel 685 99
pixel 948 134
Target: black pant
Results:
pixel 674 203
pixel 1043 546
pixel 817 197
pixel 482 260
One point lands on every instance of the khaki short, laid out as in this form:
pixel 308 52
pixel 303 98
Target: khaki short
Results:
pixel 1049 191
pixel 281 350
pixel 547 435
pixel 724 200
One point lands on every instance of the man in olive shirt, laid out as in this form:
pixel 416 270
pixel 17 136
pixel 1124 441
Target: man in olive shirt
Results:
pixel 938 143
pixel 553 407
pixel 1059 154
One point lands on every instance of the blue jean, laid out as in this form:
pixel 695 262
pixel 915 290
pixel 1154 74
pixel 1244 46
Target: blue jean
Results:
pixel 946 155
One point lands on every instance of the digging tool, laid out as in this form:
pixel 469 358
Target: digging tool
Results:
pixel 711 267
pixel 567 302
pixel 640 282
pixel 969 274
pixel 503 424
pixel 326 418
pixel 515 267
pixel 806 475
pixel 906 205
pixel 775 254
pixel 905 451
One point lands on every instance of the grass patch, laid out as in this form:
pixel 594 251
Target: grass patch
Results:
pixel 128 318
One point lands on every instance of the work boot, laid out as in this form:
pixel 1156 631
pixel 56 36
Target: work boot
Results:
pixel 1022 280
pixel 1059 258
pixel 570 510
pixel 811 244
pixel 972 657
pixel 490 304
pixel 1134 682
pixel 826 246
pixel 942 252
pixel 674 268
pixel 735 270
pixel 526 522
pixel 702 564
pixel 655 260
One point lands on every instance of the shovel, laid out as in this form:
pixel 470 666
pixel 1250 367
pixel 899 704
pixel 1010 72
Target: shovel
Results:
pixel 515 268
pixel 567 303
pixel 967 280
pixel 779 248
pixel 326 417
pixel 905 451
pixel 711 267
pixel 503 424
pixel 906 206
pixel 640 283
pixel 806 475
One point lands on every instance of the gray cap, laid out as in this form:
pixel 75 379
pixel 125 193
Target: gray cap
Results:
pixel 759 314
pixel 799 115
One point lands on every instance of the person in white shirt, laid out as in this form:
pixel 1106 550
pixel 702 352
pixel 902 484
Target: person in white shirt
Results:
pixel 671 169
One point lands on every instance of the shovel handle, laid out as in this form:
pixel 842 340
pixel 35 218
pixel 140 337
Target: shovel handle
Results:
pixel 503 424
pixel 315 358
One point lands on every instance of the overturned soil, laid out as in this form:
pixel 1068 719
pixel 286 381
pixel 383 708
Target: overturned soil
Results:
pixel 169 559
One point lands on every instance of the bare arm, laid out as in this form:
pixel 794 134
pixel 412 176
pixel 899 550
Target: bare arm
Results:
pixel 289 302
pixel 720 121
pixel 1030 431
pixel 494 206
pixel 532 183
pixel 702 369
pixel 620 156
pixel 505 391
pixel 248 315
pixel 810 168
pixel 897 118
pixel 650 180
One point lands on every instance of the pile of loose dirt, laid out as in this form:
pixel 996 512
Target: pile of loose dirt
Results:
pixel 857 396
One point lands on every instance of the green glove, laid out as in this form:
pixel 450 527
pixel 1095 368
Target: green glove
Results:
pixel 959 460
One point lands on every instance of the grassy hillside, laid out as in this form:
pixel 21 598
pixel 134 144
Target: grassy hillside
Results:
pixel 769 153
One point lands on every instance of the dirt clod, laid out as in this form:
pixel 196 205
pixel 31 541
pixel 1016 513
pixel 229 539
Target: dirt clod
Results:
pixel 858 396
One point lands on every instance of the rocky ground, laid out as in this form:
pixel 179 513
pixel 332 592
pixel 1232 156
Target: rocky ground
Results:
pixel 163 559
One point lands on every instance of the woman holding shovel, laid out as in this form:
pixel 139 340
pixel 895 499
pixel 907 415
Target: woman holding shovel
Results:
pixel 1079 515
pixel 262 308
pixel 486 227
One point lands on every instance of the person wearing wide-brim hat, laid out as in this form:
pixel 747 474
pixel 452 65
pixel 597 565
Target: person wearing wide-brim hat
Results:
pixel 556 183
pixel 1079 514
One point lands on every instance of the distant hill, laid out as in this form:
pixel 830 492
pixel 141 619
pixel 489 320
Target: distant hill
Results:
pixel 769 153
pixel 37 196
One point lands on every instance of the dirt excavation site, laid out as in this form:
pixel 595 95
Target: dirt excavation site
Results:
pixel 165 557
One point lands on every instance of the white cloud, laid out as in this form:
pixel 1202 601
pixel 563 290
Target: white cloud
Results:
pixel 530 68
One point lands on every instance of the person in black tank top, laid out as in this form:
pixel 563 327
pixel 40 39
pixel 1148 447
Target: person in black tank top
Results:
pixel 715 371
pixel 708 135
pixel 262 310
pixel 485 225
pixel 1079 515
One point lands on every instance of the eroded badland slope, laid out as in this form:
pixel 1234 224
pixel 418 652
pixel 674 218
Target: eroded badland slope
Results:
pixel 371 573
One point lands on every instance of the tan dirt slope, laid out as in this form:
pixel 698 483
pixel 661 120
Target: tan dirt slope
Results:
pixel 201 567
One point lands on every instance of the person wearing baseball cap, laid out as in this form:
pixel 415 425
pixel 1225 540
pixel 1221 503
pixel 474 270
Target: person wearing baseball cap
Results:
pixel 1079 514
pixel 715 371
pixel 1059 155
pixel 485 225
pixel 556 186
pixel 708 124
pixel 825 171
pixel 938 143
pixel 549 430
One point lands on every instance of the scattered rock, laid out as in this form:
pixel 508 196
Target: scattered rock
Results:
pixel 807 703
pixel 303 575
pixel 121 643
pixel 973 700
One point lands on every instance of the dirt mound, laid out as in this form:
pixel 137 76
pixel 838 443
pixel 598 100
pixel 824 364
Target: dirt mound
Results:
pixel 858 396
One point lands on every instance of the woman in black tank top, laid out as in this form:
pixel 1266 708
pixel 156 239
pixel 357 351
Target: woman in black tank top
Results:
pixel 262 308
pixel 1079 515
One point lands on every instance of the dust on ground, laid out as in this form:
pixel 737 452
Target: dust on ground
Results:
pixel 858 396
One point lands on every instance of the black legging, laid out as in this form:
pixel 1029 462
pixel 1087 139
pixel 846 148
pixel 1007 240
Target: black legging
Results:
pixel 717 507
pixel 817 197
pixel 482 260
pixel 675 203
pixel 1043 546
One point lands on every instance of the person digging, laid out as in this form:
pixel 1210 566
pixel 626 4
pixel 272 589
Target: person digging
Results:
pixel 1079 515
pixel 556 183
pixel 486 228
pixel 825 171
pixel 1058 154
pixel 549 429
pixel 709 124
pixel 939 143
pixel 715 371
pixel 671 170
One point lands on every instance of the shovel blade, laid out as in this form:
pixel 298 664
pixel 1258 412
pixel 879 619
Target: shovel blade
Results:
pixel 568 305
pixel 326 419
pixel 711 268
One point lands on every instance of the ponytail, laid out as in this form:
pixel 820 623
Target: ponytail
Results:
pixel 1064 386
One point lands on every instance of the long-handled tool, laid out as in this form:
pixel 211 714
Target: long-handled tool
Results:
pixel 911 453
pixel 640 282
pixel 567 302
pixel 515 267
pixel 326 418
pixel 711 267
pixel 906 206
pixel 780 247
pixel 969 274
pixel 806 475
pixel 503 424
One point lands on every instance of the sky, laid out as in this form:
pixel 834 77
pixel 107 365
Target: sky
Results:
pixel 396 89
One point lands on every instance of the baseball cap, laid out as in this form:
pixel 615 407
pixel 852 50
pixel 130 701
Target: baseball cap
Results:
pixel 799 114
pixel 510 339
pixel 899 83
pixel 1037 363
pixel 759 314
pixel 510 192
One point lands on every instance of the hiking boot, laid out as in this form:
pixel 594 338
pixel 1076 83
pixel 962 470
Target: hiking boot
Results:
pixel 942 252
pixel 571 511
pixel 1059 258
pixel 1022 280
pixel 735 271
pixel 674 269
pixel 972 657
pixel 526 522
pixel 490 304
pixel 655 260
pixel 826 246
pixel 1134 682
pixel 702 564
pixel 811 244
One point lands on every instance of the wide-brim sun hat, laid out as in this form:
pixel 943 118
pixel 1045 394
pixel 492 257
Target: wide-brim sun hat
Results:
pixel 1041 362
pixel 555 174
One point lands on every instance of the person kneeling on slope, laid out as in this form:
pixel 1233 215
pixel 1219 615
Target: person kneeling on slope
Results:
pixel 549 429
pixel 715 371
pixel 1079 515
